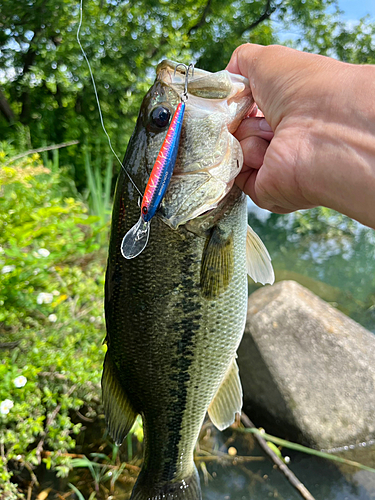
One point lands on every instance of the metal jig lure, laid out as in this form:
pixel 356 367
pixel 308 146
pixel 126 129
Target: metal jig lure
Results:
pixel 135 240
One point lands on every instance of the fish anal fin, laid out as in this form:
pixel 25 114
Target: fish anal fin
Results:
pixel 217 264
pixel 119 412
pixel 258 260
pixel 228 399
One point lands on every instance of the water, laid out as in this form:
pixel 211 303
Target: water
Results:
pixel 325 480
pixel 258 480
pixel 329 254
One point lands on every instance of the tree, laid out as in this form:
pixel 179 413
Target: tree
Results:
pixel 45 80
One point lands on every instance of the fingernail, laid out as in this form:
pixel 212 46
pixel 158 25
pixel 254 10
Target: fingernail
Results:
pixel 265 126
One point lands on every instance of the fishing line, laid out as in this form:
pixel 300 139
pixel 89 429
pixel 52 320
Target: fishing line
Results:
pixel 97 98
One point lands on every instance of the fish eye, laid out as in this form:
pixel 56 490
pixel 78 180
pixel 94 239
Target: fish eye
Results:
pixel 160 116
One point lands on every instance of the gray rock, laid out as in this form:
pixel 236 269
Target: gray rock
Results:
pixel 307 370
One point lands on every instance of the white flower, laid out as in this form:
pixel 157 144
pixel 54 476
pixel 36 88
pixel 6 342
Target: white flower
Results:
pixel 7 269
pixel 20 381
pixel 56 292
pixel 43 252
pixel 1 250
pixel 52 318
pixel 36 271
pixel 44 298
pixel 5 406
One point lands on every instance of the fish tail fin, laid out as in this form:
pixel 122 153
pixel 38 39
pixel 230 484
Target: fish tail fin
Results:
pixel 187 489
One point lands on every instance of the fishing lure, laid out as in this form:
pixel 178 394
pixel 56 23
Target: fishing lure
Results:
pixel 135 240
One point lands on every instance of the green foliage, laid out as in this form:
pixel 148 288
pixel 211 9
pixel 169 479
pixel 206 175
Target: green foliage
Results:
pixel 103 468
pixel 40 230
pixel 46 82
pixel 77 492
pixel 355 43
pixel 99 190
pixel 51 292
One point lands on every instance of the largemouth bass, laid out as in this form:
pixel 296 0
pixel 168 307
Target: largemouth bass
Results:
pixel 176 313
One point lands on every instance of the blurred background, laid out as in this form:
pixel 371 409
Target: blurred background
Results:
pixel 57 179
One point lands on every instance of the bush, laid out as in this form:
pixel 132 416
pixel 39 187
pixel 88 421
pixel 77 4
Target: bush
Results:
pixel 51 318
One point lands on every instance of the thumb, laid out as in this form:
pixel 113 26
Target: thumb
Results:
pixel 245 61
pixel 276 75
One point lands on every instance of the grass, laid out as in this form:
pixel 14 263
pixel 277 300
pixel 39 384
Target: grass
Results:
pixel 99 187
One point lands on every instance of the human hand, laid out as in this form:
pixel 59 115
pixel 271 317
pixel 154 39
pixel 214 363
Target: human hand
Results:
pixel 322 148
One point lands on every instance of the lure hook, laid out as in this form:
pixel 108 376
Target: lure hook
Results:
pixel 184 95
pixel 136 239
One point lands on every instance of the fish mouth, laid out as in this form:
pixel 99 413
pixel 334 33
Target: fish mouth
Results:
pixel 209 157
pixel 203 84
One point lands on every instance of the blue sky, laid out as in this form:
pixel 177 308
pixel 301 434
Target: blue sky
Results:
pixel 352 11
pixel 355 9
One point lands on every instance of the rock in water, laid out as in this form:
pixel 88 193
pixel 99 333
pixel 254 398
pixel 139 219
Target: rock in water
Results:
pixel 307 370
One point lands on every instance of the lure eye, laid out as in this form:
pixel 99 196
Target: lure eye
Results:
pixel 160 116
pixel 144 210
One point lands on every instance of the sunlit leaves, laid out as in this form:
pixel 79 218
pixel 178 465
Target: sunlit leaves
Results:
pixel 46 79
pixel 52 350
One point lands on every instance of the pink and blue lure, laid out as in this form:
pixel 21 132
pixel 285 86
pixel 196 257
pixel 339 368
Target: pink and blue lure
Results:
pixel 135 240
pixel 162 172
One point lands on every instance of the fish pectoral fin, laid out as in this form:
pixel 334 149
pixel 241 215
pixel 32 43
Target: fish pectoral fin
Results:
pixel 228 399
pixel 217 264
pixel 258 260
pixel 119 413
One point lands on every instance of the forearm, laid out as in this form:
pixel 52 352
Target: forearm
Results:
pixel 341 144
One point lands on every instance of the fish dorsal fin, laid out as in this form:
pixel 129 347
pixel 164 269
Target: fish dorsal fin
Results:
pixel 119 413
pixel 228 399
pixel 258 260
pixel 217 263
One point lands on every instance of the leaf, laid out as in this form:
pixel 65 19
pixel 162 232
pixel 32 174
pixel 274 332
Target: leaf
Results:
pixel 76 491
pixel 100 455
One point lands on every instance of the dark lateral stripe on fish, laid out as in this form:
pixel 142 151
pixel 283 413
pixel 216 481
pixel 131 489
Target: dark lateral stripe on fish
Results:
pixel 189 325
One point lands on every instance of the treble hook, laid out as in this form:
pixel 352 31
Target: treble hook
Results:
pixel 184 95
